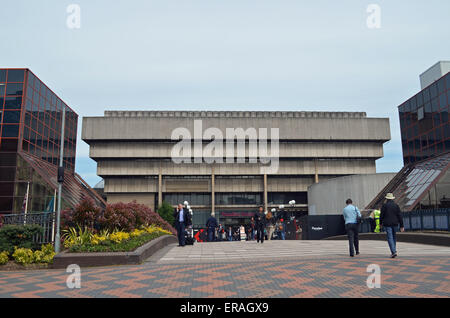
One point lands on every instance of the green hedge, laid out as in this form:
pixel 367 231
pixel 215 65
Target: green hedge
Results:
pixel 20 236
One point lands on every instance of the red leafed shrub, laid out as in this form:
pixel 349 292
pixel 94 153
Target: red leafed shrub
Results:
pixel 129 216
pixel 86 214
pixel 120 216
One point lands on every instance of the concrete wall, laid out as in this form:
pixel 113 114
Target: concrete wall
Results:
pixel 321 127
pixel 434 73
pixel 328 197
pixel 146 199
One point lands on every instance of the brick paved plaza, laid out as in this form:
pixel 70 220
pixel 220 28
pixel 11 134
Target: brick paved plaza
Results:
pixel 245 269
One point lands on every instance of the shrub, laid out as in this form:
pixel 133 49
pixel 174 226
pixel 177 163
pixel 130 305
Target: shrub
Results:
pixel 125 217
pixel 4 258
pixel 20 236
pixel 86 214
pixel 45 255
pixel 166 213
pixel 74 236
pixel 23 256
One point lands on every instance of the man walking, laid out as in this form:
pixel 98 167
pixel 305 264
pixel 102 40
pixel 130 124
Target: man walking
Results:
pixel 260 219
pixel 390 219
pixel 211 226
pixel 351 215
pixel 181 219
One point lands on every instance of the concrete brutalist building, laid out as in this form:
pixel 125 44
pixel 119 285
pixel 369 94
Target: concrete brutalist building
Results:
pixel 134 155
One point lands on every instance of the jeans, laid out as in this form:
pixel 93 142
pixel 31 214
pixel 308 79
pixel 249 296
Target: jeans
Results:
pixel 353 239
pixel 211 235
pixel 181 235
pixel 391 232
pixel 283 235
pixel 260 234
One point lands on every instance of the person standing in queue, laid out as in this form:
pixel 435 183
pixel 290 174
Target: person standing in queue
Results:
pixel 181 219
pixel 260 222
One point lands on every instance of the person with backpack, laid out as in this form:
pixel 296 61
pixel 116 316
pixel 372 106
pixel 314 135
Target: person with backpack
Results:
pixel 352 217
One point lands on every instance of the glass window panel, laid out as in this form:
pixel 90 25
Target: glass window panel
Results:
pixel 434 105
pixel 13 102
pixel 433 90
pixel 442 101
pixel 2 76
pixel 426 95
pixel 10 131
pixel 11 117
pixel 14 89
pixel 419 99
pixel 441 86
pixel 16 75
pixel 2 90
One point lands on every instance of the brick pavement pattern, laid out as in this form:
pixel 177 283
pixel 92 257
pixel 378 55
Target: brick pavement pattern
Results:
pixel 245 269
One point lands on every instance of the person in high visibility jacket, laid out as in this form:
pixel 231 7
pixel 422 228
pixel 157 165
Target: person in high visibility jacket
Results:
pixel 377 214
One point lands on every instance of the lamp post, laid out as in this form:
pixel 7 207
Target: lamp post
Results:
pixel 60 183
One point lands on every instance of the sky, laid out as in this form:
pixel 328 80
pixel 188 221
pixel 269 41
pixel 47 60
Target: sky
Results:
pixel 254 55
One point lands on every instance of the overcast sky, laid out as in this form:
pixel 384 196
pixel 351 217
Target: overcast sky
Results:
pixel 228 55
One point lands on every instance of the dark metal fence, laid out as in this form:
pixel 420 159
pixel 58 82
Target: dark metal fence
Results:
pixel 45 219
pixel 420 220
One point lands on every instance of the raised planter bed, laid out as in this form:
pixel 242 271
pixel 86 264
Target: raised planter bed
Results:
pixel 135 257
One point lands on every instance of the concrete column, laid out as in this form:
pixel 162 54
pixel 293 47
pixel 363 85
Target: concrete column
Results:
pixel 213 185
pixel 160 199
pixel 266 205
pixel 316 177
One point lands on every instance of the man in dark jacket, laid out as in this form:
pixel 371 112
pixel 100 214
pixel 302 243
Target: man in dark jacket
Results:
pixel 211 226
pixel 260 221
pixel 181 220
pixel 390 219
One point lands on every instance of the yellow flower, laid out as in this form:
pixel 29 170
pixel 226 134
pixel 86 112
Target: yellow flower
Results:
pixel 119 237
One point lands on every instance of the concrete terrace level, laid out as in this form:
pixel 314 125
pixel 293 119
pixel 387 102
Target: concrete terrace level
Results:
pixel 133 153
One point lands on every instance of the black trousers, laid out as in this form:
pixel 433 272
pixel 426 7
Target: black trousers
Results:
pixel 181 228
pixel 353 239
pixel 260 233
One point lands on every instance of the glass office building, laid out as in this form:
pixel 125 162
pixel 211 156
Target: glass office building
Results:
pixel 30 138
pixel 424 122
pixel 424 181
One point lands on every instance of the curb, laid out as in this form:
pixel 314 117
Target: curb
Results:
pixel 135 257
pixel 418 238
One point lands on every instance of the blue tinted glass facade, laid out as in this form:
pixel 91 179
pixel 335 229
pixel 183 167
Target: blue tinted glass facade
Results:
pixel 30 122
pixel 424 122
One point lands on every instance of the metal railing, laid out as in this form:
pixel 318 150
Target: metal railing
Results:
pixel 420 220
pixel 44 219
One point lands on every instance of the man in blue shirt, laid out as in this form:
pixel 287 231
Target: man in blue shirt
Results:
pixel 351 214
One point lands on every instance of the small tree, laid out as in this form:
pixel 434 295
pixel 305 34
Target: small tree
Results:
pixel 166 212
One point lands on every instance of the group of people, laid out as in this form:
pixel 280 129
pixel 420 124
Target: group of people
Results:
pixel 389 218
pixel 261 227
pixel 263 224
